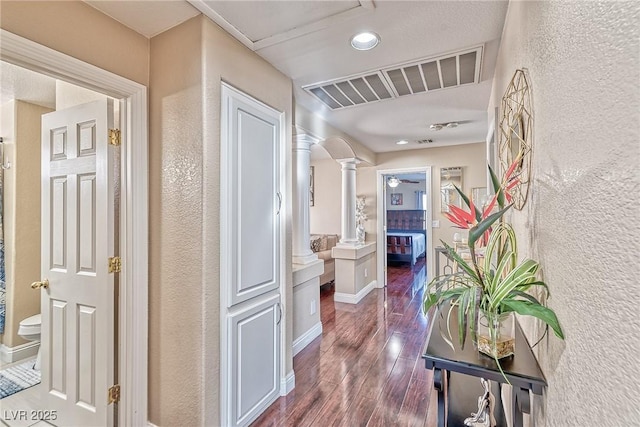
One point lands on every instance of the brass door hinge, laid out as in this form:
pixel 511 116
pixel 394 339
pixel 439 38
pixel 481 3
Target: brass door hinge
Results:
pixel 115 264
pixel 113 394
pixel 114 137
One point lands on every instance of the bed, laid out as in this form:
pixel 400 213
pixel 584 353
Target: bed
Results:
pixel 405 247
pixel 406 235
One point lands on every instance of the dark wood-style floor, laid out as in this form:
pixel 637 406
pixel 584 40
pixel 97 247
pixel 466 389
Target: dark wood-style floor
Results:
pixel 365 369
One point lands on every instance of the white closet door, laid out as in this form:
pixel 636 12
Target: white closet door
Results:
pixel 250 257
pixel 255 348
pixel 254 201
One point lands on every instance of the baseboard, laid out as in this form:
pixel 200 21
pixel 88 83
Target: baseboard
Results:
pixel 305 339
pixel 150 424
pixel 288 383
pixel 19 352
pixel 354 299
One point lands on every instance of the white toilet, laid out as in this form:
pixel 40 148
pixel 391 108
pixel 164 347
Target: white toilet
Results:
pixel 30 330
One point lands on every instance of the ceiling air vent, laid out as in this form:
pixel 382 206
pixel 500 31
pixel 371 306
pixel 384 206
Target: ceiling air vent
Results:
pixel 423 75
pixel 425 141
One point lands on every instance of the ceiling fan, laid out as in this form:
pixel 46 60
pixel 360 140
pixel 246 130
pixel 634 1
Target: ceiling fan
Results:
pixel 394 181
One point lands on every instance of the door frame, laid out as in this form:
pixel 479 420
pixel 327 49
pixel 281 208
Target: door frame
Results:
pixel 381 229
pixel 134 218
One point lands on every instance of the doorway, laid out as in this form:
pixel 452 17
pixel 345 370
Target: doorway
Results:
pixel 133 222
pixel 404 210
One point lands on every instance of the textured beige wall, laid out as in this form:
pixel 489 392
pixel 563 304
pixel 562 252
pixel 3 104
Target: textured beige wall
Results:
pixel 471 157
pixel 175 227
pixel 79 30
pixel 324 215
pixel 20 128
pixel 581 221
pixel 184 292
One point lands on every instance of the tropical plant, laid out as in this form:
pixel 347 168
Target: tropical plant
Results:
pixel 493 282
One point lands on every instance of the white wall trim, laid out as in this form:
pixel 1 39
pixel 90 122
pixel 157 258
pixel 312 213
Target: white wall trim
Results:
pixel 381 261
pixel 354 299
pixel 133 316
pixel 287 383
pixel 19 352
pixel 151 425
pixel 305 339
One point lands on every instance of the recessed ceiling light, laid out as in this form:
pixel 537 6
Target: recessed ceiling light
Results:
pixel 365 40
pixel 440 126
pixel 403 142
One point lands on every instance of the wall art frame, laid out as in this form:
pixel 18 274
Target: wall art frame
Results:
pixel 516 134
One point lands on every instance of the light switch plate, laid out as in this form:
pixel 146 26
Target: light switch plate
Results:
pixel 435 223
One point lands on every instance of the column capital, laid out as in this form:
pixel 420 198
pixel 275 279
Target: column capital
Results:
pixel 303 142
pixel 349 161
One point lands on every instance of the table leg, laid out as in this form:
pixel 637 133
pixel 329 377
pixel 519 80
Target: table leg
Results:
pixel 520 403
pixel 440 378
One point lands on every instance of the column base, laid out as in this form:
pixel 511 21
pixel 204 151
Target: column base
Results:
pixel 304 259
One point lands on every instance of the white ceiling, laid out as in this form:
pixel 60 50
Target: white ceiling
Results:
pixel 20 83
pixel 309 41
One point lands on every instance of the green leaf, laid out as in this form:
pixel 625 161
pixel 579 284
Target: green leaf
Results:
pixel 528 308
pixel 466 302
pixel 517 293
pixel 527 286
pixel 439 298
pixel 497 188
pixel 522 274
pixel 506 241
pixel 462 263
pixel 478 230
pixel 462 318
pixel 502 270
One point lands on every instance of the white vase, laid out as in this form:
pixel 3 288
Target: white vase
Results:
pixel 360 233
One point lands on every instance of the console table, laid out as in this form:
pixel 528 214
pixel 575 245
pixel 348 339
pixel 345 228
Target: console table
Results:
pixel 458 393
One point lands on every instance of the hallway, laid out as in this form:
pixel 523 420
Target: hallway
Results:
pixel 366 368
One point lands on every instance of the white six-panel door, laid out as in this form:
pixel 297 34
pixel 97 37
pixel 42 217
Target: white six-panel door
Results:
pixel 251 203
pixel 77 240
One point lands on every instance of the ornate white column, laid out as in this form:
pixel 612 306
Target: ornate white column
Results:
pixel 348 227
pixel 302 253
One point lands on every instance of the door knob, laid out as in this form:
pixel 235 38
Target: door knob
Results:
pixel 43 284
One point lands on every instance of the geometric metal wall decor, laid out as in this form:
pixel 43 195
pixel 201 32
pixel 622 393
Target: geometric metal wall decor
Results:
pixel 516 134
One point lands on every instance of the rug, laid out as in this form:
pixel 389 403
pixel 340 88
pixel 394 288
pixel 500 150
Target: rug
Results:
pixel 17 378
